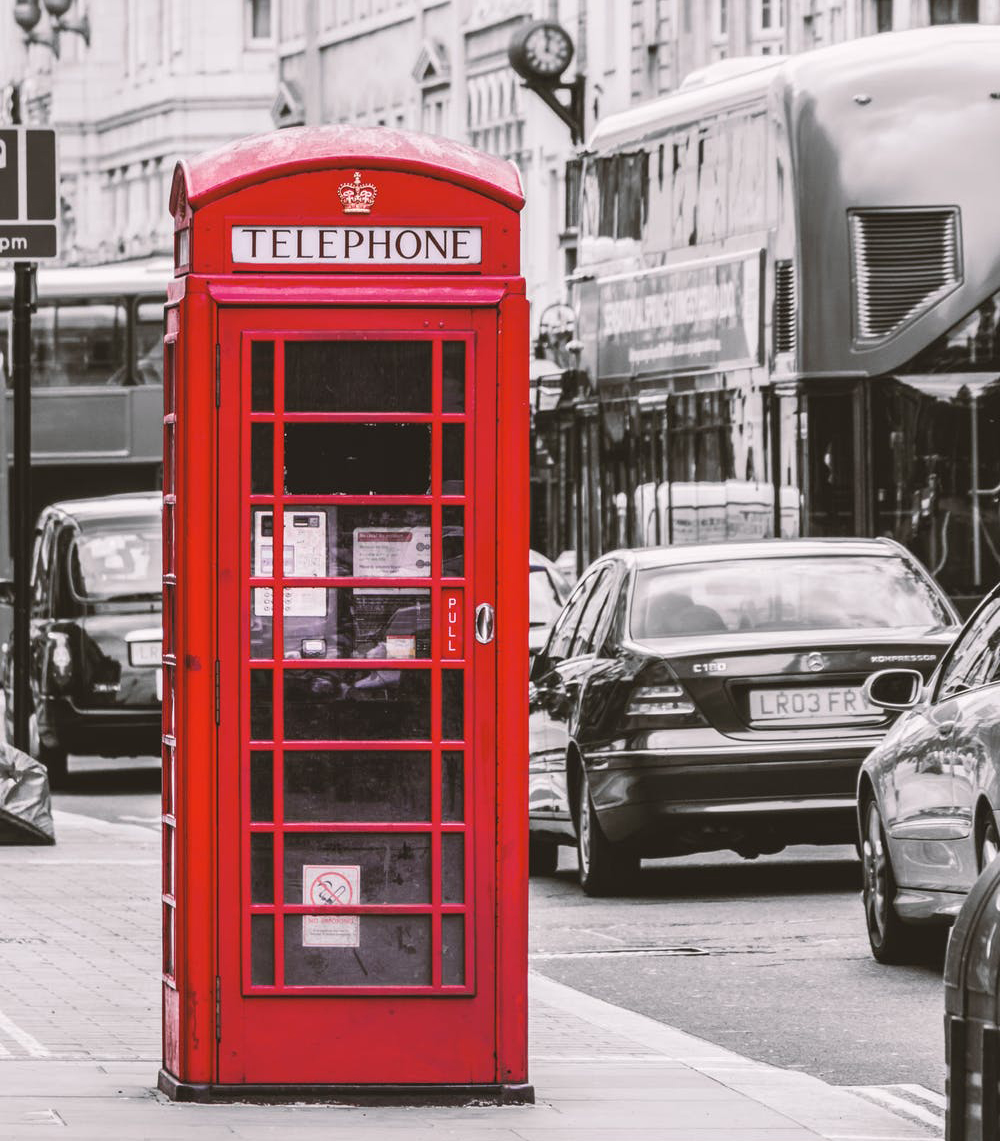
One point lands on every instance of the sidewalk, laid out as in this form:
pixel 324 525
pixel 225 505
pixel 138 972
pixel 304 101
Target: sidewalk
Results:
pixel 79 1039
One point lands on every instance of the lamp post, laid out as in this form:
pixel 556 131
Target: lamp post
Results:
pixel 28 13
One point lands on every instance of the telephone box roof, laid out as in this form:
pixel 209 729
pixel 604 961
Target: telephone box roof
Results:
pixel 298 150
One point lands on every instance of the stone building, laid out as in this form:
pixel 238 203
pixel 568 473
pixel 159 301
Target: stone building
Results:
pixel 158 80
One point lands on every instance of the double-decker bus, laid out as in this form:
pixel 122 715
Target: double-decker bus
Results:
pixel 786 306
pixel 97 382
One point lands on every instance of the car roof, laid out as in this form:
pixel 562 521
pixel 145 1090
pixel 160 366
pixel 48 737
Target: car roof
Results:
pixel 108 508
pixel 646 557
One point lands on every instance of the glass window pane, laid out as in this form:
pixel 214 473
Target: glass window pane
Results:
pixel 149 329
pixel 367 786
pixel 357 459
pixel 453 460
pixel 261 459
pixel 262 950
pixel 261 705
pixel 262 376
pixel 262 623
pixel 452 787
pixel 453 381
pixel 453 542
pixel 81 343
pixel 452 867
pixel 358 376
pixel 261 786
pixel 357 705
pixel 394 867
pixel 261 867
pixel 452 950
pixel 361 622
pixel 389 950
pixel 452 705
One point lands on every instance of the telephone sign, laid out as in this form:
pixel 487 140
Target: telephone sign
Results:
pixel 28 194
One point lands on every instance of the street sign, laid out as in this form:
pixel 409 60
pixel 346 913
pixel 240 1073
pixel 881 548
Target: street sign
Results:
pixel 29 199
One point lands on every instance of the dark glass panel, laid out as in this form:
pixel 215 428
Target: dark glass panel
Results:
pixel 453 542
pixel 357 705
pixel 261 705
pixel 394 867
pixel 262 950
pixel 261 867
pixel 262 376
pixel 452 867
pixel 358 376
pixel 453 380
pixel 262 459
pixel 452 787
pixel 363 622
pixel 452 705
pixel 357 459
pixel 453 459
pixel 452 950
pixel 369 786
pixel 389 950
pixel 261 786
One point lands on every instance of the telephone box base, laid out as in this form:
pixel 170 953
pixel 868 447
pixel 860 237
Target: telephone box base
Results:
pixel 367 1095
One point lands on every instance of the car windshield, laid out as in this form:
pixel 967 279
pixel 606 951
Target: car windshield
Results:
pixel 823 592
pixel 544 602
pixel 120 564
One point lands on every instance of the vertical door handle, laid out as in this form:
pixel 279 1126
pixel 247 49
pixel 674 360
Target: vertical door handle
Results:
pixel 485 623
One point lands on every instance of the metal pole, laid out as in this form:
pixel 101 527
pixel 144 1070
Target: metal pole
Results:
pixel 24 276
pixel 977 549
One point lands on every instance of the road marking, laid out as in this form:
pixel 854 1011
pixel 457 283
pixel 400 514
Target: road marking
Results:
pixel 31 1045
pixel 913 1101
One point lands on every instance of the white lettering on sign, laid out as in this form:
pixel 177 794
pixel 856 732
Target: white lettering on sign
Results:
pixel 358 245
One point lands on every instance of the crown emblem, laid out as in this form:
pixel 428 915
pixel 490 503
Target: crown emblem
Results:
pixel 357 197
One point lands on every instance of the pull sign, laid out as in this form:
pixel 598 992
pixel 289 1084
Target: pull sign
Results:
pixel 451 635
pixel 485 623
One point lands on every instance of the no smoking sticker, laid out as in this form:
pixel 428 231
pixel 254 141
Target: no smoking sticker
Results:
pixel 331 885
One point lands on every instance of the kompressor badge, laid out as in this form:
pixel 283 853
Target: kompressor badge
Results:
pixel 357 245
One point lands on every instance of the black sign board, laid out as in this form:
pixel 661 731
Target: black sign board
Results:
pixel 29 200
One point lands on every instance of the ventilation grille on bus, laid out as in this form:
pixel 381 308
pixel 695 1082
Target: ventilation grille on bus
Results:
pixel 904 261
pixel 785 313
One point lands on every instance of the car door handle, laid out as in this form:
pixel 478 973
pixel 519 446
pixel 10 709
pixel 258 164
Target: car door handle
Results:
pixel 945 728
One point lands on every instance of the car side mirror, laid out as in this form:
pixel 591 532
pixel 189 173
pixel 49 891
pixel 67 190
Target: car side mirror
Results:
pixel 894 689
pixel 7 591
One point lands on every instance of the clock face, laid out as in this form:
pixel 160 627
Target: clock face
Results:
pixel 547 49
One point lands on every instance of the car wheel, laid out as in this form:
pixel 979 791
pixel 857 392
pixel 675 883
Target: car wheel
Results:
pixel 605 868
pixel 543 857
pixel 887 934
pixel 989 842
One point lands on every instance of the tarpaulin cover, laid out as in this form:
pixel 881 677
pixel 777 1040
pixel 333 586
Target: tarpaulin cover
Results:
pixel 25 805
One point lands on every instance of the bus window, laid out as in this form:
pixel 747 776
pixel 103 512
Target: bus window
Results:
pixel 149 341
pixel 78 343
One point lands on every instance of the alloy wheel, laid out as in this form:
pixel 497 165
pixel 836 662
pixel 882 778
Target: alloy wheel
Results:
pixel 989 844
pixel 873 858
pixel 583 826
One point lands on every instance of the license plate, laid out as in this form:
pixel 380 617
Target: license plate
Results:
pixel 146 653
pixel 811 703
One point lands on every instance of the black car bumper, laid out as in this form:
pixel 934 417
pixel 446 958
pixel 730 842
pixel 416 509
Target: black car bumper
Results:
pixel 751 796
pixel 121 732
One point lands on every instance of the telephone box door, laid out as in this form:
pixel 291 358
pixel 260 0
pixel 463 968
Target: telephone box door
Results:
pixel 357 863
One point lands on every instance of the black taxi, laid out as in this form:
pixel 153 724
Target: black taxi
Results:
pixel 705 697
pixel 96 631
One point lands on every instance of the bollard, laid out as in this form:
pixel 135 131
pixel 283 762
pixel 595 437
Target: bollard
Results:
pixel 972 1014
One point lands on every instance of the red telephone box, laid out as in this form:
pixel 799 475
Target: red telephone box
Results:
pixel 344 804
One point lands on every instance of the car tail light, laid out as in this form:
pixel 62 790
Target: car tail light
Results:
pixel 60 660
pixel 667 702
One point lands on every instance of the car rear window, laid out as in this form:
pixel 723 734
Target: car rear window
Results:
pixel 821 592
pixel 123 564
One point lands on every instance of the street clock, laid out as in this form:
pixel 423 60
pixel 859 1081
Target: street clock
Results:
pixel 541 51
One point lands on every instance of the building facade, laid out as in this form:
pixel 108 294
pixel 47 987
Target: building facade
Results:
pixel 160 79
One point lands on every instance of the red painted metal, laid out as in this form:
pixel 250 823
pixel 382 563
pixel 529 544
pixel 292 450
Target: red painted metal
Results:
pixel 225 1026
